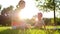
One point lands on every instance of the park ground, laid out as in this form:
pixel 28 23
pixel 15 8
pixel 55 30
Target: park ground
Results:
pixel 50 30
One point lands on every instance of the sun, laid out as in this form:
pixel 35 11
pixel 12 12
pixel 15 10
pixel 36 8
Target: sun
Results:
pixel 26 13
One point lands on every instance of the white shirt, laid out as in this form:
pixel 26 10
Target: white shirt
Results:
pixel 39 23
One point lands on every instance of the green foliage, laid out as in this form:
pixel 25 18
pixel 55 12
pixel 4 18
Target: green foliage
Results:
pixel 0 7
pixel 6 10
pixel 36 0
pixel 48 5
pixel 47 21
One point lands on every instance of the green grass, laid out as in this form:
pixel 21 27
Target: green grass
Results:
pixel 8 30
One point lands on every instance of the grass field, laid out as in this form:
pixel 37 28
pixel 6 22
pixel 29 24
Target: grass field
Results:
pixel 7 30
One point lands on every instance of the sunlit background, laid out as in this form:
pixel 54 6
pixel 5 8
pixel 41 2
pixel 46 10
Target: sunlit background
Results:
pixel 30 8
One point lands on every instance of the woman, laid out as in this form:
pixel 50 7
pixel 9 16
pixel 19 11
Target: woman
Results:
pixel 15 15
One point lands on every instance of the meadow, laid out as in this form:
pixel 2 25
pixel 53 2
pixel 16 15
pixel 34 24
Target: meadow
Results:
pixel 8 30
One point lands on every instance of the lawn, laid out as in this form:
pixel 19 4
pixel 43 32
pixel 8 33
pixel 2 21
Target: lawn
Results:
pixel 8 30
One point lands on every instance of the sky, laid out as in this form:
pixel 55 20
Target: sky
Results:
pixel 29 10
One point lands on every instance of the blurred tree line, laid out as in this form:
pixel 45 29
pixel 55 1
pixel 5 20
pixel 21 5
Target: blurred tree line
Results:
pixel 5 18
pixel 47 21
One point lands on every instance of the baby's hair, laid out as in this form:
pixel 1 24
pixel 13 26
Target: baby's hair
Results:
pixel 40 14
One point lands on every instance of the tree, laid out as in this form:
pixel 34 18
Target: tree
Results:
pixel 0 7
pixel 5 19
pixel 3 11
pixel 7 10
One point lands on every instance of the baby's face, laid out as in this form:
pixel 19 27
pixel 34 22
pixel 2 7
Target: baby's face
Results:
pixel 39 16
